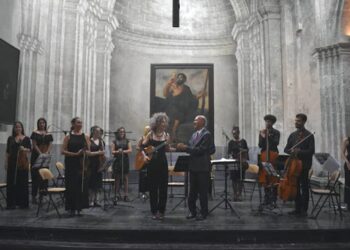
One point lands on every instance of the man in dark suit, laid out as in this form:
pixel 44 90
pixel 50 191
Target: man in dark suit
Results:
pixel 200 147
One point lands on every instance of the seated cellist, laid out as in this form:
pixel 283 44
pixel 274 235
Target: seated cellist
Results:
pixel 269 139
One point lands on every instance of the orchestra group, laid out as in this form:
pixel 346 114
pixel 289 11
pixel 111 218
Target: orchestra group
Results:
pixel 84 156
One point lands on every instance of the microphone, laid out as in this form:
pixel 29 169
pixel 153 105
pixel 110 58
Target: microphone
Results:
pixel 224 134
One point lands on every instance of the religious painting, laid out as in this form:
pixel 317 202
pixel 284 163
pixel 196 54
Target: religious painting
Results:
pixel 183 91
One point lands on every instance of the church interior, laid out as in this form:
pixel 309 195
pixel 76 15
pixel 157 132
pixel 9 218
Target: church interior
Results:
pixel 253 72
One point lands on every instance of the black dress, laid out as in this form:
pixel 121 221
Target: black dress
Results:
pixel 17 193
pixel 158 178
pixel 95 177
pixel 76 198
pixel 234 147
pixel 40 140
pixel 121 161
pixel 347 178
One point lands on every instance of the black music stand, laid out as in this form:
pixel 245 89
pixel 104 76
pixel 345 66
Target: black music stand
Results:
pixel 225 163
pixel 181 165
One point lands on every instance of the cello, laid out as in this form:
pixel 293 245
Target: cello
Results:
pixel 270 157
pixel 288 186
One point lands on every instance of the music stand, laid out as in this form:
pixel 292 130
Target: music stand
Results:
pixel 225 162
pixel 104 170
pixel 43 161
pixel 181 165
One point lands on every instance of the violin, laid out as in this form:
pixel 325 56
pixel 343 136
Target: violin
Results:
pixel 22 158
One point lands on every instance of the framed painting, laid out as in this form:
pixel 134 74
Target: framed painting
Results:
pixel 183 91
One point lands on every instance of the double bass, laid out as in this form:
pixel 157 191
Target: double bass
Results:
pixel 288 187
pixel 270 157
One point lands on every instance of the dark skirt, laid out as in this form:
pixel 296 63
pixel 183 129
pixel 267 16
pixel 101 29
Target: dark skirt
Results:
pixel 17 192
pixel 95 177
pixel 76 198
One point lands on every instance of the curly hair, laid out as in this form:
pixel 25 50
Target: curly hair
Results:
pixel 156 119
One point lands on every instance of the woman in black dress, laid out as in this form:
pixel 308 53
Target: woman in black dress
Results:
pixel 42 143
pixel 97 148
pixel 346 158
pixel 76 148
pixel 121 148
pixel 158 164
pixel 238 150
pixel 17 166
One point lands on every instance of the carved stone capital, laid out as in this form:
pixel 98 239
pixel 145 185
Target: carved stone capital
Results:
pixel 27 42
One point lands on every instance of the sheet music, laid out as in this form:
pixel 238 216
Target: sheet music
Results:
pixel 43 161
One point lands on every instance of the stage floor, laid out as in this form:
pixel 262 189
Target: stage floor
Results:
pixel 130 222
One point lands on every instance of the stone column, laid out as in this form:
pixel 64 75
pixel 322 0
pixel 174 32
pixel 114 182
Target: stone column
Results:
pixel 334 75
pixel 271 28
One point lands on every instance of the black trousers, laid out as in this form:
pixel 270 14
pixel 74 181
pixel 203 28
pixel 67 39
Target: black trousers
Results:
pixel 302 198
pixel 37 182
pixel 347 186
pixel 199 184
pixel 158 189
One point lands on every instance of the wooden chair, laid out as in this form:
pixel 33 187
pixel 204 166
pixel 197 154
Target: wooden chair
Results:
pixel 253 170
pixel 327 194
pixel 46 175
pixel 60 176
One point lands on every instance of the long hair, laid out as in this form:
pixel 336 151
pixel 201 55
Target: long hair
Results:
pixel 39 120
pixel 73 121
pixel 14 128
pixel 156 120
pixel 93 129
pixel 117 134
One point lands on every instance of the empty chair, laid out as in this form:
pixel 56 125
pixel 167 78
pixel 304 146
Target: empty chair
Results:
pixel 46 175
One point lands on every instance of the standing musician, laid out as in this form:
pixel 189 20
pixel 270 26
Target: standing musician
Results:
pixel 76 148
pixel 42 143
pixel 238 150
pixel 346 158
pixel 96 161
pixel 158 164
pixel 304 152
pixel 121 148
pixel 200 148
pixel 17 166
pixel 269 139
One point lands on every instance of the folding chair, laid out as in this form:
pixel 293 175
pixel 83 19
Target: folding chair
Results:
pixel 327 193
pixel 60 171
pixel 46 175
pixel 253 170
pixel 3 196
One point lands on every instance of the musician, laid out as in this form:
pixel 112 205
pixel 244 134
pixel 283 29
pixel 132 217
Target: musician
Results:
pixel 143 187
pixel 346 158
pixel 271 136
pixel 76 149
pixel 42 144
pixel 121 148
pixel 158 164
pixel 304 152
pixel 96 160
pixel 238 150
pixel 200 147
pixel 17 166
